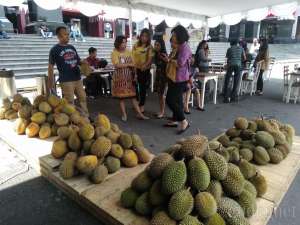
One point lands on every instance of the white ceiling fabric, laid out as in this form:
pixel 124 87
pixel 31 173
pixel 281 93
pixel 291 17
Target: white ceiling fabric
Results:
pixel 49 5
pixel 214 21
pixel 232 19
pixel 257 14
pixel 11 2
pixel 285 10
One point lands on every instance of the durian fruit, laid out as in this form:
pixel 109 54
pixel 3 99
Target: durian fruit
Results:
pixel 61 119
pixel 74 142
pixel 234 182
pixel 250 188
pixel 54 129
pixel 231 211
pixel 248 203
pixel 38 118
pixel 261 156
pixel 11 114
pixel 129 197
pixel 205 204
pixel 18 98
pixel 241 123
pixel 59 148
pixel 214 145
pixel 234 154
pixel 137 141
pixel 248 144
pixel 53 100
pixel 50 118
pixel 247 134
pixel 86 132
pixel 264 139
pixel 142 182
pixel 6 104
pixel 113 164
pixel 215 188
pixel 86 146
pixel 38 99
pixel 45 107
pixel 102 121
pixel 2 113
pixel 64 132
pixel 223 152
pixel 173 149
pixel 115 128
pixel 246 153
pixel 68 109
pixel 217 165
pixel 181 204
pixel 224 140
pixel 198 174
pixel 289 130
pixel 32 129
pixel 215 219
pixel 276 155
pixel 233 132
pixel 113 136
pixel 143 155
pixel 279 137
pixel 45 131
pixel 162 218
pixel 67 167
pixel 20 125
pixel 247 169
pixel 100 131
pixel 237 140
pixel 99 174
pixel 101 147
pixel 117 151
pixel 129 158
pixel 125 141
pixel 260 183
pixel 142 205
pixel 25 112
pixel 156 197
pixel 194 146
pixel 190 220
pixel 263 125
pixel 16 106
pixel 174 177
pixel 76 118
pixel 158 164
pixel 158 209
pixel 86 164
pixel 285 149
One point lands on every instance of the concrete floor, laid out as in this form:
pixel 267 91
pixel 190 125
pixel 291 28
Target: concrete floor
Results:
pixel 29 199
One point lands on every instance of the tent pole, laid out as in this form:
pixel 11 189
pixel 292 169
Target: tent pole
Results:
pixel 130 25
pixel 258 30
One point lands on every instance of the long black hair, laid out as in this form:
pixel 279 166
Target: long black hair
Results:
pixel 162 44
pixel 263 44
pixel 200 46
pixel 181 34
pixel 147 32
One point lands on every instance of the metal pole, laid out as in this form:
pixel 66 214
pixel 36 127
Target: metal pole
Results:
pixel 258 30
pixel 130 25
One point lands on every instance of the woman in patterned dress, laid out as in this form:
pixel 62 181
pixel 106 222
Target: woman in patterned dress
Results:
pixel 123 86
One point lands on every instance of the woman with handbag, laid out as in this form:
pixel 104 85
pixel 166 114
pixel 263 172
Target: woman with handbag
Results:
pixel 142 56
pixel 124 78
pixel 178 71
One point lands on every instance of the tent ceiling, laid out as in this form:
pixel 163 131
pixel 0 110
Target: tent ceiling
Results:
pixel 213 7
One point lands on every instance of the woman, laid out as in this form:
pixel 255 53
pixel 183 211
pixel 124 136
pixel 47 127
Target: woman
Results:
pixel 201 57
pixel 263 55
pixel 254 48
pixel 142 57
pixel 177 86
pixel 160 55
pixel 124 77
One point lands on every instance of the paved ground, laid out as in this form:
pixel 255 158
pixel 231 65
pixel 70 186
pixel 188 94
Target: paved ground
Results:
pixel 29 199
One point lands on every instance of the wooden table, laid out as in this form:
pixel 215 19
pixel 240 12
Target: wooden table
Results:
pixel 294 76
pixel 204 77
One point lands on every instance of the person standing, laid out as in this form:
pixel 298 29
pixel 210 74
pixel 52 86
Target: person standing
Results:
pixel 124 77
pixel 180 59
pixel 160 55
pixel 235 55
pixel 142 57
pixel 67 60
pixel 254 48
pixel 263 57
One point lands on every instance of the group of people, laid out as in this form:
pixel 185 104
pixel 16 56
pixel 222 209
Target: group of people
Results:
pixel 238 57
pixel 176 72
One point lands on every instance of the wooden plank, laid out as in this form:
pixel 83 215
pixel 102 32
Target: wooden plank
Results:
pixel 264 212
pixel 29 148
pixel 49 162
pixel 279 177
pixel 296 145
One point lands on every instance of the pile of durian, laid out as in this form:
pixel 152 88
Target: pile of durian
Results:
pixel 259 141
pixel 95 149
pixel 190 184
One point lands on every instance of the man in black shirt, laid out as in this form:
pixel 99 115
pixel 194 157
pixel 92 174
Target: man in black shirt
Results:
pixel 65 57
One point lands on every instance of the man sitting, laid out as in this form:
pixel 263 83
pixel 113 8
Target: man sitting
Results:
pixel 94 83
pixel 45 31
pixel 67 60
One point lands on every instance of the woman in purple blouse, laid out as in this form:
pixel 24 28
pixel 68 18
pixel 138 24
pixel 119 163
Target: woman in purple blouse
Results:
pixel 176 89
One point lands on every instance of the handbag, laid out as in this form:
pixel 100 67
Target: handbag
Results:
pixel 171 70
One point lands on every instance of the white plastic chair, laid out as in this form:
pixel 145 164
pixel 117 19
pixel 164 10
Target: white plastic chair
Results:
pixel 249 85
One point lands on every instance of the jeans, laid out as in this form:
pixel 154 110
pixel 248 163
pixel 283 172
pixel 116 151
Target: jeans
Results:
pixel 46 34
pixel 260 81
pixel 3 35
pixel 71 88
pixel 236 80
pixel 75 34
pixel 143 78
pixel 174 99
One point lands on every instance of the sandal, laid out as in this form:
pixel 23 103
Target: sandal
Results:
pixel 184 130
pixel 200 109
pixel 171 124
